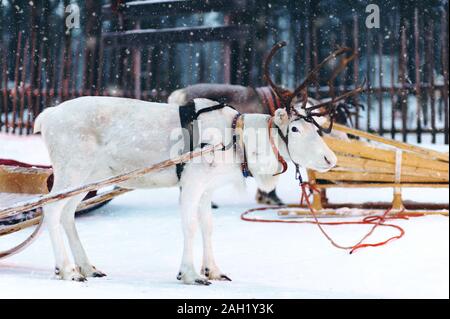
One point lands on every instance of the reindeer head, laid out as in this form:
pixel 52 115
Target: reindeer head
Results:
pixel 301 120
pixel 304 144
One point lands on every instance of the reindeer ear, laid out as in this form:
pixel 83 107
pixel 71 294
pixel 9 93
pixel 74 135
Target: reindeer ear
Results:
pixel 281 118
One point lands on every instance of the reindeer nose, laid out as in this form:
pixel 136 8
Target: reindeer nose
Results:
pixel 327 160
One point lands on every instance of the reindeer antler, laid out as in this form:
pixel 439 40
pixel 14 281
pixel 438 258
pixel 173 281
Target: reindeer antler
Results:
pixel 329 107
pixel 283 94
pixel 313 72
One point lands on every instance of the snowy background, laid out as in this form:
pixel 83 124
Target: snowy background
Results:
pixel 137 240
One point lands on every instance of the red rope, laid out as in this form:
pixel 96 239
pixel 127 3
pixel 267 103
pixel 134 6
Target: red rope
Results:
pixel 10 162
pixel 375 220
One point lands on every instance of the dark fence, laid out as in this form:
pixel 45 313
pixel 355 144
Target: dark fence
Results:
pixel 149 48
pixel 42 63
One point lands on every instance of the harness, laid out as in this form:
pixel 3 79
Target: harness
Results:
pixel 188 115
pixel 238 143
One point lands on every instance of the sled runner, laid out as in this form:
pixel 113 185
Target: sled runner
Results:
pixel 371 161
pixel 21 181
pixel 32 204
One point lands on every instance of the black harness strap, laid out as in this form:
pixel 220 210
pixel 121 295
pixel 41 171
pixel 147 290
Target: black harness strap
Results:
pixel 187 117
pixel 211 108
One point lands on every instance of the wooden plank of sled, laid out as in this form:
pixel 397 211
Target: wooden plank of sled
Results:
pixel 373 177
pixel 409 205
pixel 305 212
pixel 369 165
pixel 365 150
pixel 23 180
pixel 381 185
pixel 362 149
pixel 404 146
pixel 334 213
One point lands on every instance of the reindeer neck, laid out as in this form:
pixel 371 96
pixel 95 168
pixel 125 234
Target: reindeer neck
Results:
pixel 257 122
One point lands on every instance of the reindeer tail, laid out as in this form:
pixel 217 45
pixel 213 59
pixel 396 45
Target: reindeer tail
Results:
pixel 41 117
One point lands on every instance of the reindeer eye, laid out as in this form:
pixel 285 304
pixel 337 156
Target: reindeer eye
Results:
pixel 294 129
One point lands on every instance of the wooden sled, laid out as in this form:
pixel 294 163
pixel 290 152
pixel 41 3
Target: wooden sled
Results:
pixel 372 161
pixel 20 181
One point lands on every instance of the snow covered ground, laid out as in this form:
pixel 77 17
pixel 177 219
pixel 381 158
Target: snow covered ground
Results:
pixel 137 240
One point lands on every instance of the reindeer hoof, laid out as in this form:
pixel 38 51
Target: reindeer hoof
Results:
pixel 270 198
pixel 191 278
pixel 225 277
pixel 91 271
pixel 214 274
pixel 98 274
pixel 70 273
pixel 79 278
pixel 203 282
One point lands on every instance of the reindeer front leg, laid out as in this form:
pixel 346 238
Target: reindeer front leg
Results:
pixel 209 267
pixel 190 199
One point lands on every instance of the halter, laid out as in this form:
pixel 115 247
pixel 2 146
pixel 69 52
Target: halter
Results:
pixel 274 147
pixel 239 147
pixel 285 139
pixel 238 143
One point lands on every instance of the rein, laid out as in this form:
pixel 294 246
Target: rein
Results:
pixel 374 220
pixel 307 190
pixel 274 147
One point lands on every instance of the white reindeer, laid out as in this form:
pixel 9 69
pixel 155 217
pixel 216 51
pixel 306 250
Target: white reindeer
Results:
pixel 91 138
